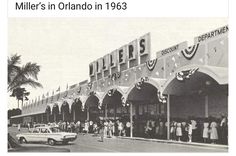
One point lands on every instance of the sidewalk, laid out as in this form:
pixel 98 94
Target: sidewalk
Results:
pixel 176 142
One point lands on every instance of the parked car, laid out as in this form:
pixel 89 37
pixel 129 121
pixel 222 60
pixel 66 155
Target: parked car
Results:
pixel 50 135
pixel 14 146
pixel 39 125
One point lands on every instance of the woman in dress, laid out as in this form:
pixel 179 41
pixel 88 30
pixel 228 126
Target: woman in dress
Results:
pixel 120 128
pixel 205 133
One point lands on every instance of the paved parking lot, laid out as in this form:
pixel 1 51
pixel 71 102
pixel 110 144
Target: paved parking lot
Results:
pixel 89 143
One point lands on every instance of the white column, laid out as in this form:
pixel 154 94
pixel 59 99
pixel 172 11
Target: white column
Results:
pixel 131 120
pixel 87 113
pixel 168 117
pixel 42 118
pixel 48 116
pixel 63 116
pixel 105 111
pixel 206 106
pixel 74 115
pixel 55 117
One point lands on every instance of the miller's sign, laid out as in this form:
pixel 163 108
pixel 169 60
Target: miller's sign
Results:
pixel 127 56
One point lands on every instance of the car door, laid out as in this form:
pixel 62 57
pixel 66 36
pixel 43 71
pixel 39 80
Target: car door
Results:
pixel 44 132
pixel 33 135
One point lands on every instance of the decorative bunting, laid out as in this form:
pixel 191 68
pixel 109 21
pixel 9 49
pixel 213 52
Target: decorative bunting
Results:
pixel 92 93
pixel 79 90
pixel 111 92
pixel 138 85
pixel 190 51
pixel 90 85
pixel 182 75
pixel 151 64
pixel 162 98
pixel 115 76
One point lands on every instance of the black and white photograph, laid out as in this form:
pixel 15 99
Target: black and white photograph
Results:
pixel 118 84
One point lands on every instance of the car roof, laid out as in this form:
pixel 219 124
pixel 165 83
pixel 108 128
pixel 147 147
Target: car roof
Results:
pixel 43 127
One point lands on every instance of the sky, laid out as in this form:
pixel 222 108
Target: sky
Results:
pixel 64 47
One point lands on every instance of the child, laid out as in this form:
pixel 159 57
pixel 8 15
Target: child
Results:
pixel 178 131
pixel 190 131
pixel 213 132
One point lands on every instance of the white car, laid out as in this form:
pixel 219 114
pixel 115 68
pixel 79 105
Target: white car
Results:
pixel 50 135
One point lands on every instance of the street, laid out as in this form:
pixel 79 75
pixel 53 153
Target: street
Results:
pixel 89 143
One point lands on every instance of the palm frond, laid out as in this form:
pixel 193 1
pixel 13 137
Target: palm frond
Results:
pixel 28 71
pixel 24 82
pixel 31 70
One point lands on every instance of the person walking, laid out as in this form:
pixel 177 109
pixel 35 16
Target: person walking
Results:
pixel 120 128
pixel 77 127
pixel 18 127
pixel 28 126
pixel 86 127
pixel 101 130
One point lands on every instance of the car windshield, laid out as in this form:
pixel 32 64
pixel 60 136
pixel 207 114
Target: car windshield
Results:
pixel 55 129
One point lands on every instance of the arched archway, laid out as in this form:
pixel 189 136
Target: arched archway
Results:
pixel 48 114
pixel 196 93
pixel 76 111
pixel 146 108
pixel 55 112
pixel 113 104
pixel 92 104
pixel 202 94
pixel 65 111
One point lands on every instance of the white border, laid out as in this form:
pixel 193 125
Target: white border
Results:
pixel 141 8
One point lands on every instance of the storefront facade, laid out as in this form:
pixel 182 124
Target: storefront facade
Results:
pixel 181 83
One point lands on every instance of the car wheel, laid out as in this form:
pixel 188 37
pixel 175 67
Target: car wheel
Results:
pixel 51 142
pixel 22 140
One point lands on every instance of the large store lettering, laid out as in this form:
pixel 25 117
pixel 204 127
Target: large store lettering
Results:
pixel 99 65
pixel 139 47
pixel 211 34
pixel 113 59
pixel 122 55
pixel 105 62
pixel 144 44
pixel 91 69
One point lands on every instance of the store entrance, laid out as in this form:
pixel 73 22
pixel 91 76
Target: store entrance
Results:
pixel 149 114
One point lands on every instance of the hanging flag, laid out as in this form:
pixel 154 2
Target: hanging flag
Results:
pixel 67 86
pixel 47 94
pixel 46 100
pixel 58 96
pixel 38 100
pixel 72 86
pixel 43 97
pixel 58 90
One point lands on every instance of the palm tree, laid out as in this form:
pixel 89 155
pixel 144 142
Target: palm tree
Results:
pixel 20 76
pixel 20 94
